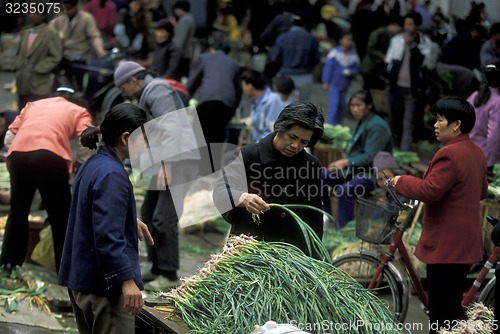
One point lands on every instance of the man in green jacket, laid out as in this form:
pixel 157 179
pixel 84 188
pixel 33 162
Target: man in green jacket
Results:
pixel 373 64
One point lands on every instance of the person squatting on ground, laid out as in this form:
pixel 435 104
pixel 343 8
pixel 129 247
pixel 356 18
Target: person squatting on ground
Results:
pixel 269 174
pixel 39 157
pixel 100 262
pixel 451 189
pixel 353 175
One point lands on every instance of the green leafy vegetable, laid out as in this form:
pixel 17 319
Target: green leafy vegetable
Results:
pixel 336 135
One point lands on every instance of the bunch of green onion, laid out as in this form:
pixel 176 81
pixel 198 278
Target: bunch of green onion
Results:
pixel 252 282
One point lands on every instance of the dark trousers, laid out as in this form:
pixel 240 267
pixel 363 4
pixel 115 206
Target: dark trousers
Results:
pixel 161 211
pixel 184 67
pixel 101 314
pixel 158 212
pixel 73 73
pixel 497 299
pixel 373 82
pixel 403 111
pixel 446 284
pixel 214 117
pixel 29 171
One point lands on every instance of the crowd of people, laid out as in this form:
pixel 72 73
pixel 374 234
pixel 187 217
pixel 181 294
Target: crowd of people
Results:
pixel 181 51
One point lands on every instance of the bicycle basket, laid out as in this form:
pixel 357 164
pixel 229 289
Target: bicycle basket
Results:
pixel 375 223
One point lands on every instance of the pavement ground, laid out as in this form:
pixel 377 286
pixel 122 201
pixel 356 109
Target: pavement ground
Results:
pixel 195 249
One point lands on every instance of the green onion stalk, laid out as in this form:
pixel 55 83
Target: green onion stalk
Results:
pixel 251 282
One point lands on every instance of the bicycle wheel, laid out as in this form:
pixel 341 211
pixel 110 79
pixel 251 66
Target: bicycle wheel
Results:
pixel 487 295
pixel 393 291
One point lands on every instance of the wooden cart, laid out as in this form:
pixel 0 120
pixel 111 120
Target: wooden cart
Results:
pixel 152 320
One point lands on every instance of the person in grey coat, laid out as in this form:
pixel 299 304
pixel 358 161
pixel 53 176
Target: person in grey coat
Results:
pixel 161 209
pixel 217 80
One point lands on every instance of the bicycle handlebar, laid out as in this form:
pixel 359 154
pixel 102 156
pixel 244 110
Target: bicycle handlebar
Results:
pixel 387 182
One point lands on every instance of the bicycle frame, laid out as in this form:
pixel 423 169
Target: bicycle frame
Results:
pixel 471 294
pixel 397 244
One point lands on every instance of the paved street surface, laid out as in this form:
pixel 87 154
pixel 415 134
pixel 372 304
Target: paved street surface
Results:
pixel 194 248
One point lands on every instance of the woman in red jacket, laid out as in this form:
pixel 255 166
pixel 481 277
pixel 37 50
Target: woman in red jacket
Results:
pixel 451 188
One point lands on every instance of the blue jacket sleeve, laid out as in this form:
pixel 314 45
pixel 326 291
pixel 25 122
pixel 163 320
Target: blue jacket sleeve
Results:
pixel 328 71
pixel 354 68
pixel 109 212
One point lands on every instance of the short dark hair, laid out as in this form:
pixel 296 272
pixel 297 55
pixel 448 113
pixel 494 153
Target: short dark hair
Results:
pixel 415 16
pixel 304 114
pixel 183 4
pixel 395 20
pixel 456 109
pixel 284 84
pixel 495 29
pixel 220 44
pixel 254 78
pixel 165 24
pixel 302 19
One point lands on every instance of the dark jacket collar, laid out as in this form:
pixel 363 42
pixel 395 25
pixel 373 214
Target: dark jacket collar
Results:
pixel 107 151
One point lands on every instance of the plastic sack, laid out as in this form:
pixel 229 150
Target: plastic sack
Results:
pixel 43 253
pixel 272 327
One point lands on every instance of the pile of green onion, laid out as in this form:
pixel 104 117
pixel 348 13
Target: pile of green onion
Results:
pixel 252 282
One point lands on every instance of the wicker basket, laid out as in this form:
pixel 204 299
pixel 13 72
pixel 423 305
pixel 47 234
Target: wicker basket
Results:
pixel 376 224
pixel 327 153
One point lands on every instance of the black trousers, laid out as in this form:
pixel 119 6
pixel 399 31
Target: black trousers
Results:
pixel 29 171
pixel 74 74
pixel 497 299
pixel 214 117
pixel 446 284
pixel 160 212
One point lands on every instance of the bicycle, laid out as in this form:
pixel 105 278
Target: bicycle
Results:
pixel 386 225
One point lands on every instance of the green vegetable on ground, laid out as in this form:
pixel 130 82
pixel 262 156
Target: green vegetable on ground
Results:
pixel 336 135
pixel 405 157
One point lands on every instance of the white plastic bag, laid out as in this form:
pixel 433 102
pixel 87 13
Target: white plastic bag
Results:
pixel 272 327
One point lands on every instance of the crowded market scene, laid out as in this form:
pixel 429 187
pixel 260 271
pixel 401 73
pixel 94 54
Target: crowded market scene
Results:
pixel 249 166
